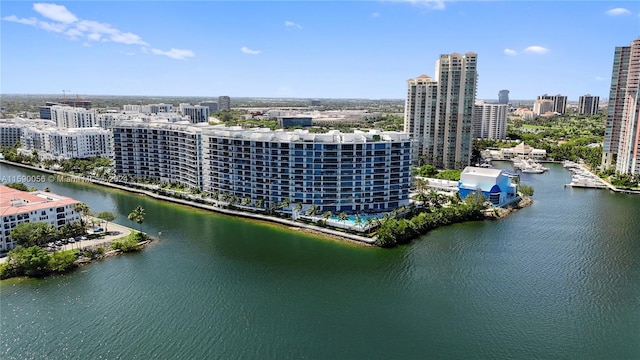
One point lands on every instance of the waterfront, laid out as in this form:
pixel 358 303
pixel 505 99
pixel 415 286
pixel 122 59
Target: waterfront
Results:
pixel 559 279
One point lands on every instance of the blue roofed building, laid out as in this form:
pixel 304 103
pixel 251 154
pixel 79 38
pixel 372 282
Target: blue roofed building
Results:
pixel 494 184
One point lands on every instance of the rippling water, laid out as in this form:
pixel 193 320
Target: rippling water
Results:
pixel 559 279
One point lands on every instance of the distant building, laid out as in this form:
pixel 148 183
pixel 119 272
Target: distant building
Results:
pixel 196 113
pixel 78 143
pixel 17 207
pixel 588 105
pixel 523 150
pixel 160 108
pixel 224 103
pixel 559 102
pixel 439 112
pixel 11 129
pixel 212 105
pixel 493 184
pixel 489 120
pixel 503 97
pixel 622 132
pixel 316 103
pixel 293 121
pixel 72 117
pixel 543 106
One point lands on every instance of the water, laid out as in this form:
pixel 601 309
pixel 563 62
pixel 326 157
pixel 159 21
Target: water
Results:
pixel 557 280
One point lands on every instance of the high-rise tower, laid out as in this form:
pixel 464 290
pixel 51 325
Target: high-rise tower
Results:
pixel 439 112
pixel 622 132
pixel 503 97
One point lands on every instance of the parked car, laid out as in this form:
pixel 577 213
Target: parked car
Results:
pixel 98 229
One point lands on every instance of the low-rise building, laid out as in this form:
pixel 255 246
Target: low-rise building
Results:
pixel 494 184
pixel 524 151
pixel 17 207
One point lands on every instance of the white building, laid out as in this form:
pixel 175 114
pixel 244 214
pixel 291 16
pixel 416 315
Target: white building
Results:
pixel 11 129
pixel 72 117
pixel 490 120
pixel 351 172
pixel 543 106
pixel 17 207
pixel 160 151
pixel 195 113
pixel 55 143
pixel 439 112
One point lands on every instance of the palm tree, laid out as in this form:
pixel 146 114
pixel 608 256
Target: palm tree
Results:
pixel 326 216
pixel 83 210
pixel 297 208
pixel 358 221
pixel 284 203
pixel 369 221
pixel 313 210
pixel 260 203
pixel 106 216
pixel 245 201
pixel 137 215
pixel 343 216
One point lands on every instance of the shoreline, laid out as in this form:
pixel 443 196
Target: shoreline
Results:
pixel 333 234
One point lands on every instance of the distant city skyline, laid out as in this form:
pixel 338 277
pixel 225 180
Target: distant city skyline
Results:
pixel 362 50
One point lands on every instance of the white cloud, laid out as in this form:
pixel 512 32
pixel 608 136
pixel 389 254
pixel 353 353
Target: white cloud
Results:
pixel 65 22
pixel 431 4
pixel 291 24
pixel 617 12
pixel 30 21
pixel 510 52
pixel 599 78
pixel 375 15
pixel 246 50
pixel 535 49
pixel 175 53
pixel 55 12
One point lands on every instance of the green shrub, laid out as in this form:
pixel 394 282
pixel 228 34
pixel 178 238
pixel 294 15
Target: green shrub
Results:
pixel 61 261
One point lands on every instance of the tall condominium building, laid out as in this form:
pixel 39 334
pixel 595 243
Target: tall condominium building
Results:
pixel 224 103
pixel 490 120
pixel 503 97
pixel 588 105
pixel 72 117
pixel 17 207
pixel 159 151
pixel 559 102
pixel 351 172
pixel 441 124
pixel 622 132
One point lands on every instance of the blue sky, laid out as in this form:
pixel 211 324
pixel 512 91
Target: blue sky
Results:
pixel 308 49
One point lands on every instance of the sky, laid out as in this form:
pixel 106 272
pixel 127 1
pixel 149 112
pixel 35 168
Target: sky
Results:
pixel 308 49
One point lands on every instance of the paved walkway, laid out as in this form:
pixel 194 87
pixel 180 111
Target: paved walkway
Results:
pixel 115 232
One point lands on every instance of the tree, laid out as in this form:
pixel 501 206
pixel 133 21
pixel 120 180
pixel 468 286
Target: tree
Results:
pixel 33 233
pixel 83 209
pixel 30 261
pixel 137 215
pixel 313 210
pixel 107 217
pixel 343 216
pixel 60 261
pixel 17 186
pixel 298 207
pixel 71 229
pixel 358 220
pixel 326 216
